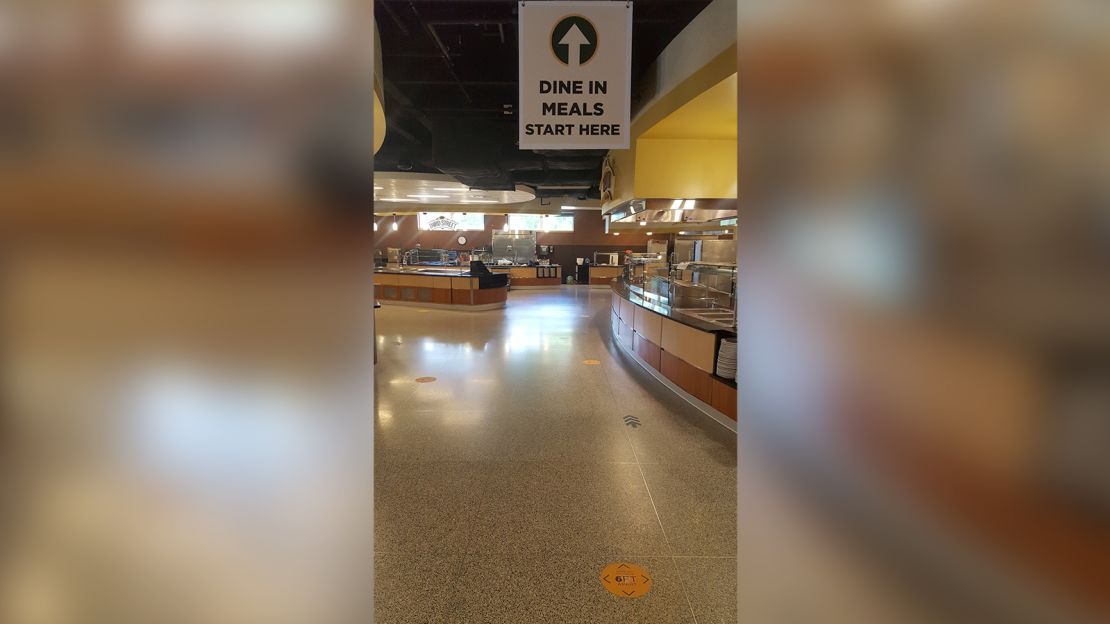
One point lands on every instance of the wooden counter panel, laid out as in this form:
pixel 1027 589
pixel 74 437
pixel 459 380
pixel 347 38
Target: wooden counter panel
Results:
pixel 691 379
pixel 490 295
pixel 416 281
pixel 668 365
pixel 463 283
pixel 648 324
pixel 647 350
pixel 607 272
pixel 627 311
pixel 441 282
pixel 601 276
pixel 615 303
pixel 386 279
pixel 724 398
pixel 696 347
pixel 535 281
pixel 626 333
pixel 441 295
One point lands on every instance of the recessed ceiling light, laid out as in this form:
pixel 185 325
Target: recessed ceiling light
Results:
pixel 378 188
pixel 616 233
pixel 643 223
pixel 682 232
pixel 676 204
pixel 649 233
pixel 426 196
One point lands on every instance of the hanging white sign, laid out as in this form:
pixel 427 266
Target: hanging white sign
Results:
pixel 575 74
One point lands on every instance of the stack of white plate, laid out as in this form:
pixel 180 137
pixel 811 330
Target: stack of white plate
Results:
pixel 726 358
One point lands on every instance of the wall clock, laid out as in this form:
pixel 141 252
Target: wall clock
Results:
pixel 462 240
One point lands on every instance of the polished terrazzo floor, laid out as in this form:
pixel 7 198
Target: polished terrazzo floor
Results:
pixel 504 486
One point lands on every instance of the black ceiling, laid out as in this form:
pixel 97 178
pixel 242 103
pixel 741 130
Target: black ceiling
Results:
pixel 450 78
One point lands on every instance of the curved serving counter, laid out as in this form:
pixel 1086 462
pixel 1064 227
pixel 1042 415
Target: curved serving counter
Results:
pixel 441 288
pixel 677 348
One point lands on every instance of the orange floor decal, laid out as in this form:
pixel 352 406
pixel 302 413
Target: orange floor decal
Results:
pixel 626 580
pixel 425 379
pixel 591 362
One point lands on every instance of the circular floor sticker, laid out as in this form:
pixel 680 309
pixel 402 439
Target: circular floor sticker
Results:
pixel 626 580
pixel 591 362
pixel 425 379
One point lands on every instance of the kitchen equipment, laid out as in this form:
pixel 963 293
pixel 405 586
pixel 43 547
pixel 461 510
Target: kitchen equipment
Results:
pixel 686 250
pixel 609 258
pixel 722 252
pixel 518 248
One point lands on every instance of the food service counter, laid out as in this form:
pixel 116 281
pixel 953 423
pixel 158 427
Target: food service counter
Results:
pixel 441 288
pixel 526 276
pixel 678 347
pixel 602 274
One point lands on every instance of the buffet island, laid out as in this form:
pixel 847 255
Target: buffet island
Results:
pixel 455 288
pixel 683 332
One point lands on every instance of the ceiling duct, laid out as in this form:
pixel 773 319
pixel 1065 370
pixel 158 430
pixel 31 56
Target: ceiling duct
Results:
pixel 471 151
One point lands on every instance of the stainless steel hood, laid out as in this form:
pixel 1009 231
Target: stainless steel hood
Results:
pixel 662 211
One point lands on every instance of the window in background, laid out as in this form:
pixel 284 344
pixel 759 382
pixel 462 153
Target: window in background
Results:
pixel 541 223
pixel 451 221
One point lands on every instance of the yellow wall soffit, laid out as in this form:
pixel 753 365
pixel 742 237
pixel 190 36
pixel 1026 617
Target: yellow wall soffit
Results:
pixel 379 122
pixel 708 78
pixel 691 168
pixel 710 115
pixel 692 151
pixel 379 107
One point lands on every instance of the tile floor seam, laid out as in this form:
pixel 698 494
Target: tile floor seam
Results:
pixel 704 556
pixel 674 562
pixel 670 548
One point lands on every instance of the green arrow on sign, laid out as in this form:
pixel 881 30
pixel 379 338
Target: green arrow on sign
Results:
pixel 574 40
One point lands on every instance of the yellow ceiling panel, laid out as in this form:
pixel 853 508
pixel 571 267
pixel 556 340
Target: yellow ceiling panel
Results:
pixel 710 115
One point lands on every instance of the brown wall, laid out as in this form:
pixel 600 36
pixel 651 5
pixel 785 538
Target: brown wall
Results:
pixel 588 236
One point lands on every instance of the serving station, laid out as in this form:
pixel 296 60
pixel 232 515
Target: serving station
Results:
pixel 530 276
pixel 471 289
pixel 679 322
